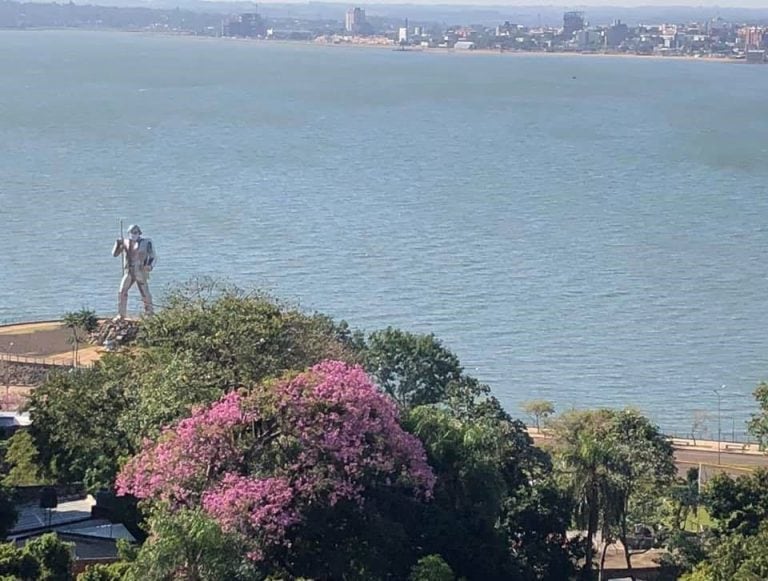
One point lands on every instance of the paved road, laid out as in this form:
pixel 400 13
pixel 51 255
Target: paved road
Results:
pixel 730 462
pixel 726 458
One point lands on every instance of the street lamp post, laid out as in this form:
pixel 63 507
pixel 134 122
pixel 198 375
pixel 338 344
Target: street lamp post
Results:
pixel 719 437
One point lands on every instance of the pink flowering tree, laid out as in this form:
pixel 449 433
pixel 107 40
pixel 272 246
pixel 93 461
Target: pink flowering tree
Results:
pixel 258 462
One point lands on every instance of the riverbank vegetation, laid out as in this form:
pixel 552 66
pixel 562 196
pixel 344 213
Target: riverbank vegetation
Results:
pixel 242 438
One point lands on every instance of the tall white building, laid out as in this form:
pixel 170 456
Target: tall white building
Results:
pixel 355 20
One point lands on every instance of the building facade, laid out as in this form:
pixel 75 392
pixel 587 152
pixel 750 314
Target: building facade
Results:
pixel 752 37
pixel 249 25
pixel 572 23
pixel 354 21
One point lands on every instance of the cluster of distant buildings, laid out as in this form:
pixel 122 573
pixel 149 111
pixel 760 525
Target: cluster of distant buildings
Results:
pixel 715 38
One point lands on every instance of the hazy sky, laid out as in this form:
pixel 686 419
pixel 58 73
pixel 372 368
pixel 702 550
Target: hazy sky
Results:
pixel 575 6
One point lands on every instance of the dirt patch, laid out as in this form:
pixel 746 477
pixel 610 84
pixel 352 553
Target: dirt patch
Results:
pixel 29 327
pixel 35 340
pixel 50 343
pixel 614 558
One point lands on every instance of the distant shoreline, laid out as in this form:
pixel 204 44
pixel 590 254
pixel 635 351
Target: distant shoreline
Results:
pixel 479 52
pixel 395 48
pixel 654 57
pixel 453 51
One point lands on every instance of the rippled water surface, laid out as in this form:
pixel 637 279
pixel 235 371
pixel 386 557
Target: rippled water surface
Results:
pixel 587 230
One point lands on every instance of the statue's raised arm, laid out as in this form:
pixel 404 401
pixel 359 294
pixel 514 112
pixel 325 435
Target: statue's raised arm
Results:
pixel 139 260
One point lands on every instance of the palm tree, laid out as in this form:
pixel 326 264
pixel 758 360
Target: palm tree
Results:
pixel 83 320
pixel 585 464
pixel 605 459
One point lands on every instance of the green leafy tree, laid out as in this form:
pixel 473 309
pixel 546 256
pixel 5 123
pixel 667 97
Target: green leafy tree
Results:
pixel 494 515
pixel 53 555
pixel 645 467
pixel 75 422
pixel 702 572
pixel 211 338
pixel 431 568
pixel 758 426
pixel 22 460
pixel 189 545
pixel 112 572
pixel 413 369
pixel 684 551
pixel 344 542
pixel 538 409
pixel 685 498
pixel 468 400
pixel 736 557
pixel 166 387
pixel 238 338
pixel 737 551
pixel 15 564
pixel 738 505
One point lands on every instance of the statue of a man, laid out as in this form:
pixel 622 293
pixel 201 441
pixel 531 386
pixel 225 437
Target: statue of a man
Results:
pixel 138 261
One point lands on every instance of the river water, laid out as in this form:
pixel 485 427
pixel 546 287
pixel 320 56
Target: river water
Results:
pixel 587 230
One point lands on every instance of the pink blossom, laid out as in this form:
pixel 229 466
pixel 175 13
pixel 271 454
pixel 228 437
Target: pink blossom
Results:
pixel 261 507
pixel 186 458
pixel 255 463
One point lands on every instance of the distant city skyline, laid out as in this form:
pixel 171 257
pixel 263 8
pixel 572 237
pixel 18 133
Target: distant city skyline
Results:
pixel 486 12
pixel 518 4
pixel 549 5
